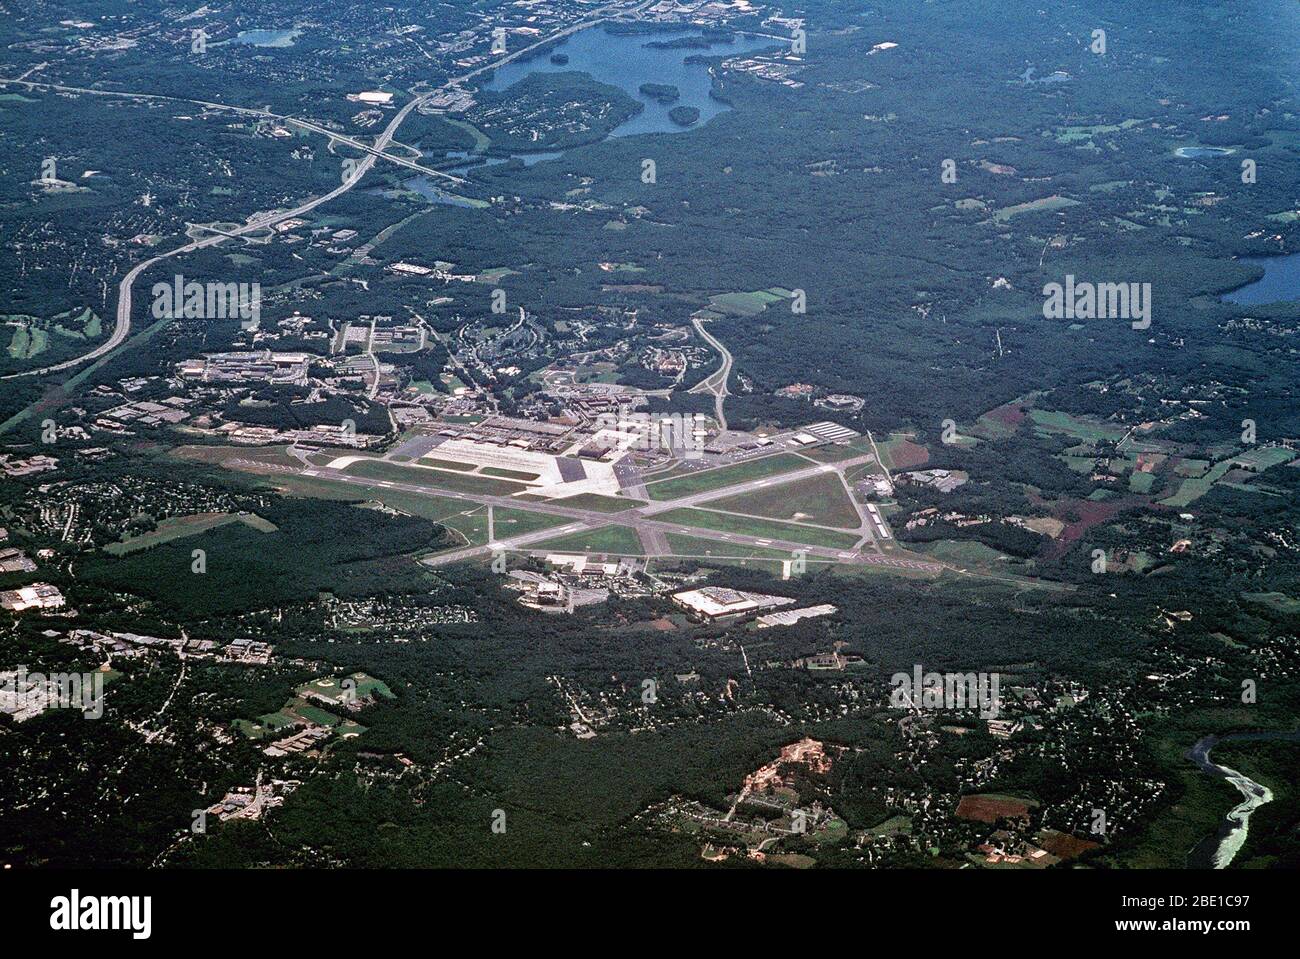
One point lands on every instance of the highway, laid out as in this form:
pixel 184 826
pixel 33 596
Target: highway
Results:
pixel 122 328
pixel 717 382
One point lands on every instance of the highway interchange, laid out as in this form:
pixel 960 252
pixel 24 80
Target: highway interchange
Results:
pixel 373 152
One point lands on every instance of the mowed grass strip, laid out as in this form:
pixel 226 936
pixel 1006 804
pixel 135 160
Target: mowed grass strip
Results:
pixel 592 501
pixel 620 540
pixel 723 476
pixel 508 474
pixel 818 499
pixel 178 527
pixel 695 546
pixel 435 479
pixel 517 522
pixel 763 529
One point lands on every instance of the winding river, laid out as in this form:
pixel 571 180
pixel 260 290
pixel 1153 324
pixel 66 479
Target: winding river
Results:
pixel 1219 850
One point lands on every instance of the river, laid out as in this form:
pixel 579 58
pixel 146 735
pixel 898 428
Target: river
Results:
pixel 1219 850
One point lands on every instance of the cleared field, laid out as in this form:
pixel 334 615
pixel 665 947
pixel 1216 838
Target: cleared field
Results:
pixel 683 545
pixel 990 807
pixel 704 480
pixel 222 455
pixel 743 304
pixel 425 505
pixel 516 522
pixel 621 540
pixel 1141 482
pixel 1058 422
pixel 1034 206
pixel 1264 457
pixel 509 474
pixel 766 529
pixel 1193 489
pixel 435 479
pixel 594 501
pixel 819 499
pixel 447 464
pixel 961 551
pixel 178 527
pixel 1277 602
pixel 900 453
pixel 834 453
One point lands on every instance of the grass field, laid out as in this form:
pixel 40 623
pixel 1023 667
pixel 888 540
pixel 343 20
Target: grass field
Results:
pixel 960 552
pixel 508 474
pixel 1193 489
pixel 743 304
pixel 818 499
pixel 683 545
pixel 593 501
pixel 1264 457
pixel 221 455
pixel 178 527
pixel 516 522
pixel 1141 482
pixel 702 481
pixel 621 540
pixel 1058 422
pixel 447 464
pixel 435 479
pixel 900 453
pixel 766 529
pixel 834 453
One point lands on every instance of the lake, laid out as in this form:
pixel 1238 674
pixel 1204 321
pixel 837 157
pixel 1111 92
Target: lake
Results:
pixel 1279 284
pixel 626 62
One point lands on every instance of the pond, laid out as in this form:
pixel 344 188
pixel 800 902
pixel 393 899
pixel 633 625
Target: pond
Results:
pixel 1279 284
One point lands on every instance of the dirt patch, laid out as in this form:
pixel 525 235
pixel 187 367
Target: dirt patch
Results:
pixel 904 454
pixel 1063 845
pixel 990 809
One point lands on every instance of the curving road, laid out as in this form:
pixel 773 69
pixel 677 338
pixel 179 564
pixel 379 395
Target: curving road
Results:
pixel 716 383
pixel 122 328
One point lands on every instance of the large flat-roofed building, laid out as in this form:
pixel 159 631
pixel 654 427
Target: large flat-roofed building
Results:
pixel 719 602
pixel 35 596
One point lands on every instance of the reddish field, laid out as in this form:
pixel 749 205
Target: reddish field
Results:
pixel 904 455
pixel 992 808
pixel 1063 845
pixel 1081 515
pixel 1009 414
